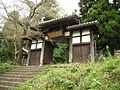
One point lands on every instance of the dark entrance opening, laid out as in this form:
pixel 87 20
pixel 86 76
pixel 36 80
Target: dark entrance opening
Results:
pixel 48 53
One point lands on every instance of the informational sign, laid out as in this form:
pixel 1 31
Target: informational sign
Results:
pixel 55 34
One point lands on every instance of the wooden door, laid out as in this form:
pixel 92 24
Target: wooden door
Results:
pixel 35 57
pixel 81 52
pixel 48 54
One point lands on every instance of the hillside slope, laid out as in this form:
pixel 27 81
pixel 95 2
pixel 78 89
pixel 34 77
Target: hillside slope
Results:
pixel 103 75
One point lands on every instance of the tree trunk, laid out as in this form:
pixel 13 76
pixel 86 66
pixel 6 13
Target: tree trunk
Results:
pixel 15 49
pixel 20 54
pixel 15 40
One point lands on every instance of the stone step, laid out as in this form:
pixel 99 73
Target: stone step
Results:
pixel 14 79
pixel 18 76
pixel 23 70
pixel 9 83
pixel 23 73
pixel 3 87
pixel 29 67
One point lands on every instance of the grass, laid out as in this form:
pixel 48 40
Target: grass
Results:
pixel 103 75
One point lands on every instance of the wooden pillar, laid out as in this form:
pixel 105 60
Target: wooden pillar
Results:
pixel 95 48
pixel 29 52
pixel 42 53
pixel 92 47
pixel 27 64
pixel 70 48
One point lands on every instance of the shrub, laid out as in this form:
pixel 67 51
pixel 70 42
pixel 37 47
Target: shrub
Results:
pixel 104 75
pixel 4 67
pixel 60 54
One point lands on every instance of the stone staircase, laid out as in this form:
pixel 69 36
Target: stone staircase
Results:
pixel 18 75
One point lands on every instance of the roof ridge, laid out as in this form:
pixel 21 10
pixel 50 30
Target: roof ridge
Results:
pixel 82 24
pixel 59 18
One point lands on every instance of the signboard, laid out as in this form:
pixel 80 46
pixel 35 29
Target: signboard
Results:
pixel 55 34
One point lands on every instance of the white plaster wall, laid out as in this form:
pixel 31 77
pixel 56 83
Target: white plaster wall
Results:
pixel 67 33
pixel 84 32
pixel 76 33
pixel 86 38
pixel 39 45
pixel 75 40
pixel 33 46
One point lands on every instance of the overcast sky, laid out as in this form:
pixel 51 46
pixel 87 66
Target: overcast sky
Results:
pixel 68 5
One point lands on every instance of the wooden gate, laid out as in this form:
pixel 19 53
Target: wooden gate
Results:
pixel 81 52
pixel 35 57
pixel 48 55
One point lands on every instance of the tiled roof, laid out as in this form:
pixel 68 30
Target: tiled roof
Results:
pixel 82 25
pixel 58 21
pixel 64 17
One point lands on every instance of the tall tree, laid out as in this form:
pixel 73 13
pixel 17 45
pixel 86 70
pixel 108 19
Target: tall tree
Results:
pixel 1 36
pixel 6 48
pixel 108 15
pixel 46 8
pixel 12 31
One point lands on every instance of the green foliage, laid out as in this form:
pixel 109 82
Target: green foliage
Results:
pixel 50 9
pixel 74 69
pixel 11 37
pixel 60 54
pixel 4 67
pixel 1 36
pixel 104 75
pixel 16 28
pixel 7 50
pixel 108 15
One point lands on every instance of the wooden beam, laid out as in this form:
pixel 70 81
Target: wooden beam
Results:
pixel 70 48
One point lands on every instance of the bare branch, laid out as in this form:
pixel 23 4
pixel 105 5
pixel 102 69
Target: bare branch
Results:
pixel 35 8
pixel 11 15
pixel 29 3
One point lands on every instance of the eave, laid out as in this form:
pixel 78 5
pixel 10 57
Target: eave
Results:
pixel 83 25
pixel 67 20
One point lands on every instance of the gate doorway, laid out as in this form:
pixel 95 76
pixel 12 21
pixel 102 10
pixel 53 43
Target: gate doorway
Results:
pixel 81 53
pixel 35 57
pixel 61 53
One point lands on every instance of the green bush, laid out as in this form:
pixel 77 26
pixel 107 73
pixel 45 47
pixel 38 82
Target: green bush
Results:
pixel 7 50
pixel 104 75
pixel 74 69
pixel 60 54
pixel 4 67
